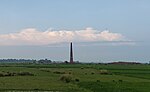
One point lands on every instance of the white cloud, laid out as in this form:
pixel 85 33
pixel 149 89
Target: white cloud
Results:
pixel 32 36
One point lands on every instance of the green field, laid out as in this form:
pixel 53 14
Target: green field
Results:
pixel 82 78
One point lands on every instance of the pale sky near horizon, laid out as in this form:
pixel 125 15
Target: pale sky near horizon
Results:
pixel 101 30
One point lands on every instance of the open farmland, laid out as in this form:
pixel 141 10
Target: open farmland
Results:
pixel 75 78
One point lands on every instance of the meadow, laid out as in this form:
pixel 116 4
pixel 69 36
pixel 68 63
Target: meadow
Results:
pixel 74 78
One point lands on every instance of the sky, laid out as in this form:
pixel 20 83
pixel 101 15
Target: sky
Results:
pixel 101 30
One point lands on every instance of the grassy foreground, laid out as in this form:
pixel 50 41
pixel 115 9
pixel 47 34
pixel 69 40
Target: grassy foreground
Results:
pixel 74 78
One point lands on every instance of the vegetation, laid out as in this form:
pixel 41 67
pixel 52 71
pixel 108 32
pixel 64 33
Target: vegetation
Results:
pixel 6 74
pixel 66 78
pixel 74 78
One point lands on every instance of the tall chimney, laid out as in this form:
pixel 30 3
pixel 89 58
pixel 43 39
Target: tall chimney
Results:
pixel 71 53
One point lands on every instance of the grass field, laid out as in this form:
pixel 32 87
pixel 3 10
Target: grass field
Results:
pixel 82 78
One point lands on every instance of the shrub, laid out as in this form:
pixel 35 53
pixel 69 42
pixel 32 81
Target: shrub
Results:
pixel 98 81
pixel 57 72
pixel 66 78
pixel 82 67
pixel 120 80
pixel 69 72
pixel 5 74
pixel 25 74
pixel 36 89
pixel 77 80
pixel 1 74
pixel 92 73
pixel 103 71
pixel 8 74
pixel 45 70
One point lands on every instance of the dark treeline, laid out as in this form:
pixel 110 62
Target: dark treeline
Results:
pixel 47 61
pixel 16 60
pixel 25 61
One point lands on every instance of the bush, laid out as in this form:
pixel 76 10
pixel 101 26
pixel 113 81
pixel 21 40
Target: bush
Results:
pixel 82 67
pixel 103 71
pixel 57 72
pixel 69 72
pixel 45 70
pixel 92 73
pixel 25 74
pixel 1 74
pixel 120 80
pixel 66 78
pixel 5 74
pixel 77 80
pixel 98 81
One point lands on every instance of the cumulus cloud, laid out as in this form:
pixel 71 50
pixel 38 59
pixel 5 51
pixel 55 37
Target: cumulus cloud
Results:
pixel 32 36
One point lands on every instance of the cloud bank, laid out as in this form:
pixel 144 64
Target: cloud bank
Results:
pixel 32 36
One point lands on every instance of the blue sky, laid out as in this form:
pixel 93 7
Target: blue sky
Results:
pixel 130 18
